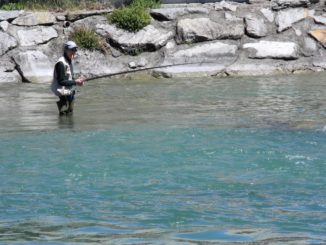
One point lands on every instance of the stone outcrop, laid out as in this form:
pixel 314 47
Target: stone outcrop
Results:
pixel 272 49
pixel 286 18
pixel 35 66
pixel 33 35
pixel 35 18
pixel 204 29
pixel 187 40
pixel 148 39
pixel 7 42
pixel 255 26
pixel 166 14
pixel 9 15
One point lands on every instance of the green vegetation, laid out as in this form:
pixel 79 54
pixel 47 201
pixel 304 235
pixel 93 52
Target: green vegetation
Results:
pixel 87 38
pixel 130 18
pixel 133 17
pixel 145 3
pixel 56 5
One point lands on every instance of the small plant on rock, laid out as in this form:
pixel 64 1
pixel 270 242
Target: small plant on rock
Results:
pixel 87 38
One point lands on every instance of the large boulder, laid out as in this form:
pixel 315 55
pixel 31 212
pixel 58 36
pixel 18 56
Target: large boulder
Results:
pixel 33 36
pixel 9 15
pixel 35 66
pixel 204 29
pixel 206 52
pixel 35 18
pixel 273 49
pixel 255 26
pixel 10 77
pixel 149 38
pixel 286 18
pixel 7 42
pixel 165 14
pixel 319 35
pixel 8 73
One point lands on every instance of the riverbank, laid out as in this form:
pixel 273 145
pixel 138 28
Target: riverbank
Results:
pixel 185 40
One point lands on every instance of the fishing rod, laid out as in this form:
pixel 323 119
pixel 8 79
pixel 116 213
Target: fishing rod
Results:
pixel 158 67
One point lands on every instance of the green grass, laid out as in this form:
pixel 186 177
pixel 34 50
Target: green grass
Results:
pixel 55 5
pixel 87 38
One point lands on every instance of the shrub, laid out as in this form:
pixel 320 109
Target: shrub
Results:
pixel 146 3
pixel 130 18
pixel 87 38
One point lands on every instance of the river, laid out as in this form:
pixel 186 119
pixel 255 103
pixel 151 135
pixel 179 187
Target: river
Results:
pixel 199 161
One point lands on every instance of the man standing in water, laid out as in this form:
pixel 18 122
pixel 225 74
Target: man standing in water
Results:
pixel 64 82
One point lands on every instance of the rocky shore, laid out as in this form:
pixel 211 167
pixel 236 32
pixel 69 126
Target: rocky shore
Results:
pixel 185 40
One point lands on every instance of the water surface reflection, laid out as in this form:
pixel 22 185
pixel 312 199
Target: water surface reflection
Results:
pixel 284 101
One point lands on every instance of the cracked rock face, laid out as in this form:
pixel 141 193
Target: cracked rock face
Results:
pixel 286 18
pixel 33 36
pixel 7 42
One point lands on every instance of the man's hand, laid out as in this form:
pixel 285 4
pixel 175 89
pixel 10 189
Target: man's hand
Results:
pixel 80 81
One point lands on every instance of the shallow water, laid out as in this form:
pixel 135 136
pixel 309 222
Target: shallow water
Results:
pixel 201 161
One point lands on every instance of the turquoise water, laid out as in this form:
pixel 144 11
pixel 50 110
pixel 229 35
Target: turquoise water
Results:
pixel 221 161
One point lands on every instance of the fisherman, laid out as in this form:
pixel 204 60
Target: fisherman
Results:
pixel 64 82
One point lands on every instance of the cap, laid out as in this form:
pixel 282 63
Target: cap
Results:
pixel 70 45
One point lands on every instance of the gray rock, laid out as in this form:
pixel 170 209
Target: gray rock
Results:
pixel 189 70
pixel 10 77
pixel 255 26
pixel 223 5
pixel 165 14
pixel 272 49
pixel 7 42
pixel 249 68
pixel 148 39
pixel 37 35
pixel 309 47
pixel 206 50
pixel 132 65
pixel 6 65
pixel 9 15
pixel 230 17
pixel 60 18
pixel 34 18
pixel 73 16
pixel 268 14
pixel 282 4
pixel 35 66
pixel 91 21
pixel 204 29
pixel 4 25
pixel 320 20
pixel 286 18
